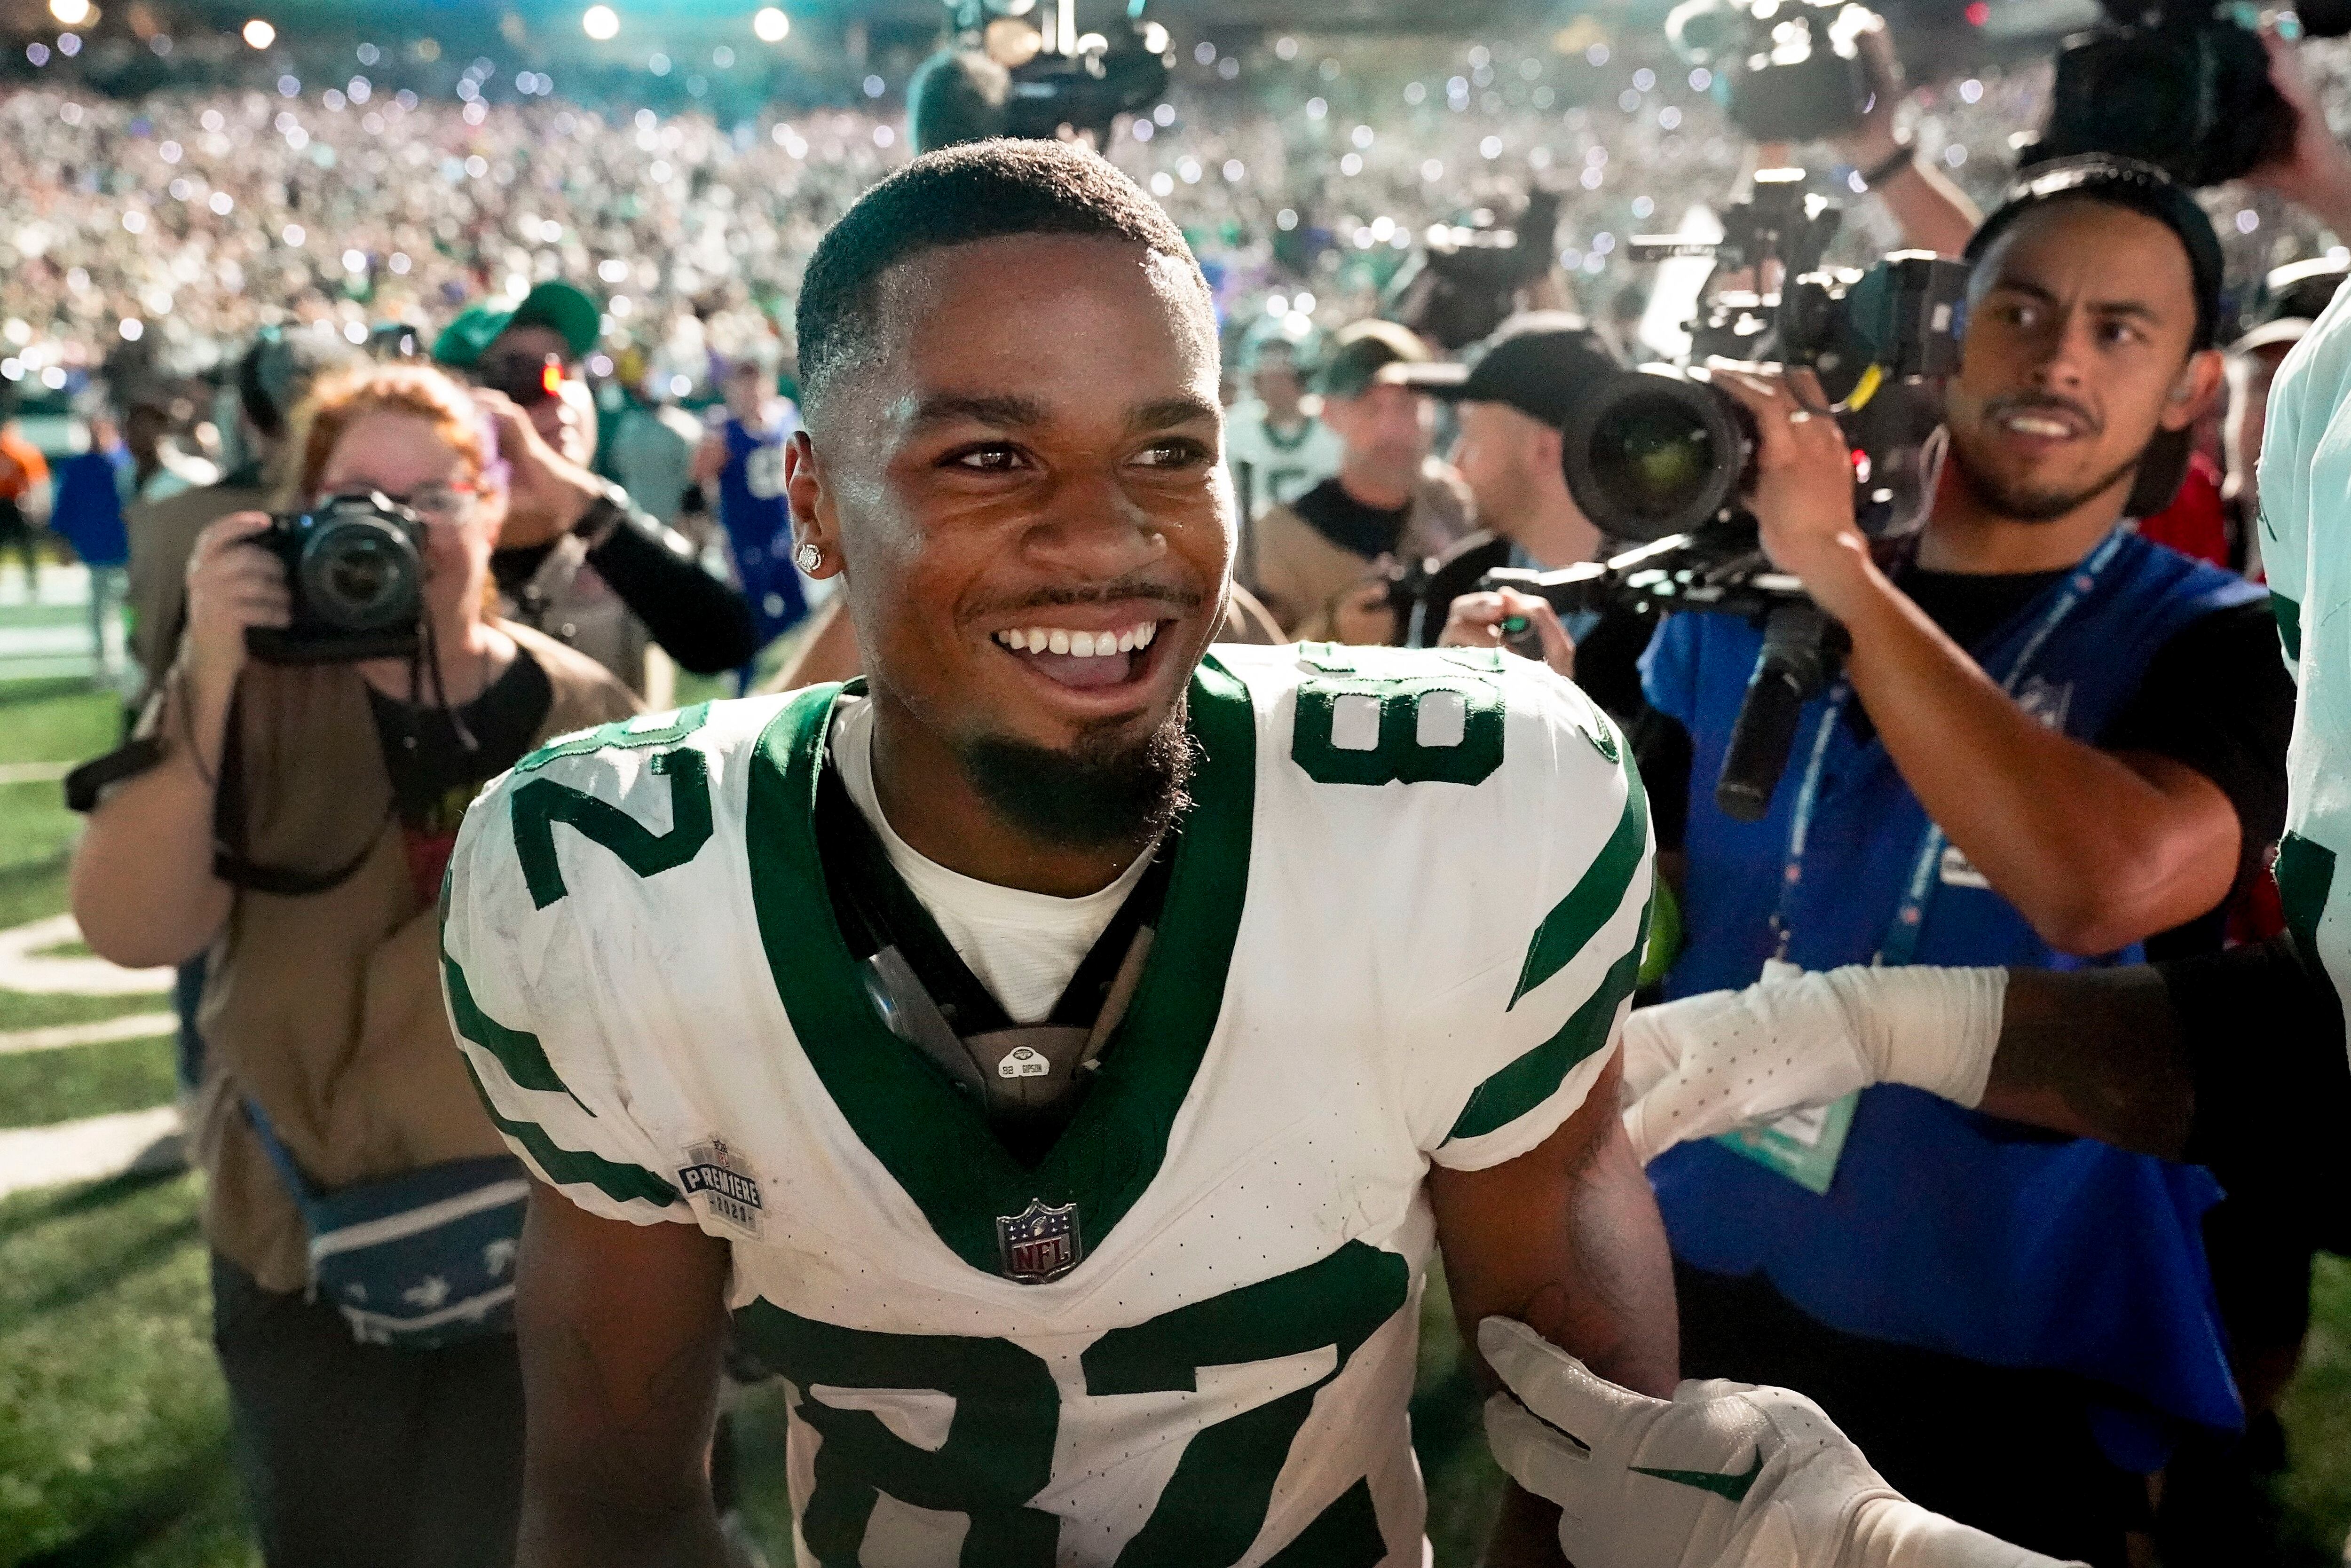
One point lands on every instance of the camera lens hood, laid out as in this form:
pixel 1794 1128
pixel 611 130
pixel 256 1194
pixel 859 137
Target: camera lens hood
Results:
pixel 1655 452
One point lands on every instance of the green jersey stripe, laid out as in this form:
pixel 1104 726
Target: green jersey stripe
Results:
pixel 2289 626
pixel 1535 1077
pixel 1578 916
pixel 517 1050
pixel 576 1167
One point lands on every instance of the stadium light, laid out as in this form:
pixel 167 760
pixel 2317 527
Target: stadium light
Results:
pixel 260 34
pixel 771 24
pixel 600 23
pixel 70 13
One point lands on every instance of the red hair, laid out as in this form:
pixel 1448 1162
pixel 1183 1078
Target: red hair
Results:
pixel 417 392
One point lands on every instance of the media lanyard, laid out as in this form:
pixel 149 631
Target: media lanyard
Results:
pixel 1900 944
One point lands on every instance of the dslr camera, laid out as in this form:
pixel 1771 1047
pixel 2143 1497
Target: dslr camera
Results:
pixel 2181 84
pixel 1784 70
pixel 355 569
pixel 1661 458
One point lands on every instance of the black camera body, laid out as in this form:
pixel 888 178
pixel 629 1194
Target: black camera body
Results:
pixel 1785 70
pixel 1084 92
pixel 355 570
pixel 2180 84
pixel 1661 451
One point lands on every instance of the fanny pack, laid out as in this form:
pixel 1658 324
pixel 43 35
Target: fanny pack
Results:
pixel 419 1260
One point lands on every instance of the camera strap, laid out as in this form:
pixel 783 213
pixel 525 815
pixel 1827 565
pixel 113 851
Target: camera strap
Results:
pixel 1025 1074
pixel 231 864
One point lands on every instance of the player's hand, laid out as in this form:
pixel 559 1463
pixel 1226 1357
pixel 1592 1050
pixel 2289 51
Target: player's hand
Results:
pixel 2314 170
pixel 1802 494
pixel 1504 619
pixel 1361 617
pixel 1723 1474
pixel 1707 1065
pixel 546 492
pixel 232 585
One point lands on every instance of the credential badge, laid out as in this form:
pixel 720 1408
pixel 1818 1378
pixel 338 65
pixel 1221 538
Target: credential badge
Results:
pixel 1041 1242
pixel 724 1178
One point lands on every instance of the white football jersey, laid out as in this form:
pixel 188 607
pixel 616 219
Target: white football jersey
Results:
pixel 1404 921
pixel 2306 491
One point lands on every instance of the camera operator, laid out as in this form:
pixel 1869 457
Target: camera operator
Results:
pixel 578 560
pixel 293 818
pixel 2054 741
pixel 1320 560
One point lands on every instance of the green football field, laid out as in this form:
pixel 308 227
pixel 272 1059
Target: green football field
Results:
pixel 114 1446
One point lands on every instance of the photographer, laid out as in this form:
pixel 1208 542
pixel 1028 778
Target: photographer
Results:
pixel 293 818
pixel 2054 741
pixel 578 560
pixel 1320 560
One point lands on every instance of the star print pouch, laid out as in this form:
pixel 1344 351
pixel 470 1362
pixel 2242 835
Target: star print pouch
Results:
pixel 419 1260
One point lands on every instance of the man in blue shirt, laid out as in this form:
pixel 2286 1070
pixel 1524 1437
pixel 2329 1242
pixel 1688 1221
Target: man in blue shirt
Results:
pixel 745 453
pixel 2052 740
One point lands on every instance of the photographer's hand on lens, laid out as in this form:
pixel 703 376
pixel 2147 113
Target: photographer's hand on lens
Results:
pixel 230 585
pixel 2314 171
pixel 546 492
pixel 1802 494
pixel 1479 621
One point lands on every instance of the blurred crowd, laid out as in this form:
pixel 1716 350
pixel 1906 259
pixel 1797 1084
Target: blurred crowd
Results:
pixel 165 231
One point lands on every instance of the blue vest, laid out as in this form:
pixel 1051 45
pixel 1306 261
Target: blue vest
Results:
pixel 1944 1229
pixel 758 523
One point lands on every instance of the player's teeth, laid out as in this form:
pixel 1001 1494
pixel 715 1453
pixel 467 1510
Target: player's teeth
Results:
pixel 1126 641
pixel 1146 633
pixel 1059 642
pixel 1015 639
pixel 1037 639
pixel 1081 644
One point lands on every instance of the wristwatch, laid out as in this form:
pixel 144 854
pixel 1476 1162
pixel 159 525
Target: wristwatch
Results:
pixel 1904 156
pixel 606 513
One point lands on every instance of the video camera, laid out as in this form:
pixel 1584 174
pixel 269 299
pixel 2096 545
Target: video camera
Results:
pixel 1785 70
pixel 1660 456
pixel 2181 84
pixel 354 566
pixel 1083 81
pixel 1465 281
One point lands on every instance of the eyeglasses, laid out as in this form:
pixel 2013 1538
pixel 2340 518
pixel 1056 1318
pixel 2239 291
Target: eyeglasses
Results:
pixel 439 503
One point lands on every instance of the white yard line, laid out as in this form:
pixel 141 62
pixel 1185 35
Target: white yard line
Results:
pixel 105 1032
pixel 21 969
pixel 93 1149
pixel 34 772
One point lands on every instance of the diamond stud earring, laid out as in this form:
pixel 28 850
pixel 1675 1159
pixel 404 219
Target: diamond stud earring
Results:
pixel 809 558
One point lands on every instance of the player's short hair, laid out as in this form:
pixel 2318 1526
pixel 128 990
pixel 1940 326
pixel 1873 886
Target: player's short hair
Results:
pixel 984 190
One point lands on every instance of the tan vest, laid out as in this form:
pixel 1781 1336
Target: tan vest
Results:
pixel 325 1010
pixel 1302 576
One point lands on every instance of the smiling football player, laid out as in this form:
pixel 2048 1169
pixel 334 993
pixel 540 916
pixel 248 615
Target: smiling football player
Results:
pixel 1060 1053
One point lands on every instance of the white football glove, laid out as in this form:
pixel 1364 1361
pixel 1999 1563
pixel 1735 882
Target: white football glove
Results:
pixel 1707 1065
pixel 1723 1474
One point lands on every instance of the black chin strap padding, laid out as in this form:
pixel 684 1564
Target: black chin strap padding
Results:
pixel 928 997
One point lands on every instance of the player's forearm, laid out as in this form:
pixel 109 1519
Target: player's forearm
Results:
pixel 2094 1054
pixel 566 1526
pixel 2089 850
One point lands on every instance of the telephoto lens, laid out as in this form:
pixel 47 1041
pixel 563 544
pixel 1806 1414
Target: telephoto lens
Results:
pixel 1659 450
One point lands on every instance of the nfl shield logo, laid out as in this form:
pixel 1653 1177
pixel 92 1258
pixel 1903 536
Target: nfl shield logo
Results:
pixel 1041 1242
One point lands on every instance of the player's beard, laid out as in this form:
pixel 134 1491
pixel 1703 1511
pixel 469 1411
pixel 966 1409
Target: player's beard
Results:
pixel 2022 503
pixel 1100 793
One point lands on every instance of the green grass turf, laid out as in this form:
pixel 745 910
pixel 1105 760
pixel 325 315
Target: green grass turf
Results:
pixel 2316 1491
pixel 113 1424
pixel 38 1087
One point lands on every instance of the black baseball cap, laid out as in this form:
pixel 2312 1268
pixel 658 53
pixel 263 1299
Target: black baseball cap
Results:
pixel 1544 363
pixel 2123 183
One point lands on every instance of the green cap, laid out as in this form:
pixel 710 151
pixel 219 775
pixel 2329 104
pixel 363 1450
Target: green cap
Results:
pixel 555 305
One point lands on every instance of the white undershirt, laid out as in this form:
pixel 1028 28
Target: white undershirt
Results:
pixel 1023 946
